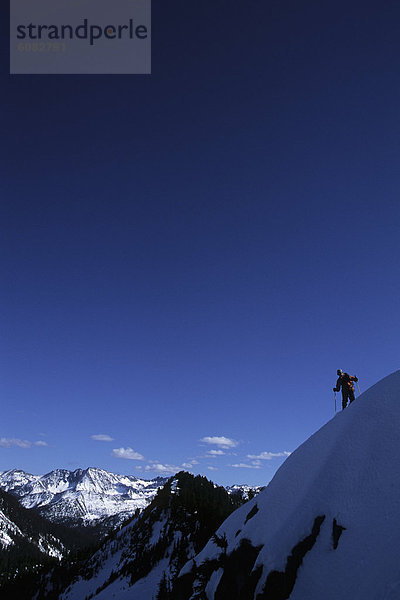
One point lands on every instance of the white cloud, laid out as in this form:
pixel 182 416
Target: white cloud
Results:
pixel 221 441
pixel 102 437
pixel 268 455
pixel 212 468
pixel 10 442
pixel 214 453
pixel 163 469
pixel 187 465
pixel 126 453
pixel 41 443
pixel 246 466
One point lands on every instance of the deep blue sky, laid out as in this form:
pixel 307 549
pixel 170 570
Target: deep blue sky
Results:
pixel 193 254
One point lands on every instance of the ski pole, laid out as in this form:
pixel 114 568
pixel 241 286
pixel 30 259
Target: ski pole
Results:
pixel 359 391
pixel 335 401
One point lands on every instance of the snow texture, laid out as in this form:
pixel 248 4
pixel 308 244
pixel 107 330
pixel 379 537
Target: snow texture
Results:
pixel 347 472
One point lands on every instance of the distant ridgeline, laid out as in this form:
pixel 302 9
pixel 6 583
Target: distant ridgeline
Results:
pixel 84 497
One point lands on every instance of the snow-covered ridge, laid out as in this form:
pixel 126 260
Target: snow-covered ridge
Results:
pixel 245 491
pixel 83 496
pixel 327 526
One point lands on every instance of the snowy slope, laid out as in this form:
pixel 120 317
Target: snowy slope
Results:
pixel 8 531
pixel 328 524
pixel 24 532
pixel 83 496
pixel 132 562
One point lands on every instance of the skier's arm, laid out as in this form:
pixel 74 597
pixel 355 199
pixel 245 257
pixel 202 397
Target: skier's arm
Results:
pixel 338 384
pixel 353 378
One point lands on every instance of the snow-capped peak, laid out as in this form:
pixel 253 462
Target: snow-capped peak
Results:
pixel 83 496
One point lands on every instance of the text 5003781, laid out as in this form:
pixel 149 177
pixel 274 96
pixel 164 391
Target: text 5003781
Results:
pixel 42 47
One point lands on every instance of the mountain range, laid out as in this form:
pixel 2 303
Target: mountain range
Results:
pixel 89 497
pixel 65 516
pixel 326 527
pixel 82 497
pixel 145 553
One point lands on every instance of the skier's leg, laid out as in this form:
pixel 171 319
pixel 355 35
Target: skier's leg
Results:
pixel 351 396
pixel 344 399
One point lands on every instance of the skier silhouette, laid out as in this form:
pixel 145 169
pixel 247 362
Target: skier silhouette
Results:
pixel 345 381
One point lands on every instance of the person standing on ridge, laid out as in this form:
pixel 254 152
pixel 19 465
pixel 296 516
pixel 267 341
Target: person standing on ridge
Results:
pixel 345 381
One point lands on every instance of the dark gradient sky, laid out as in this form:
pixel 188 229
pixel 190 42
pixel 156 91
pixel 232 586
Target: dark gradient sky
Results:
pixel 194 253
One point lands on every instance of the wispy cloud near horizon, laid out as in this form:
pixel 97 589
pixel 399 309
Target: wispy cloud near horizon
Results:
pixel 254 465
pixel 162 469
pixel 12 442
pixel 102 437
pixel 268 455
